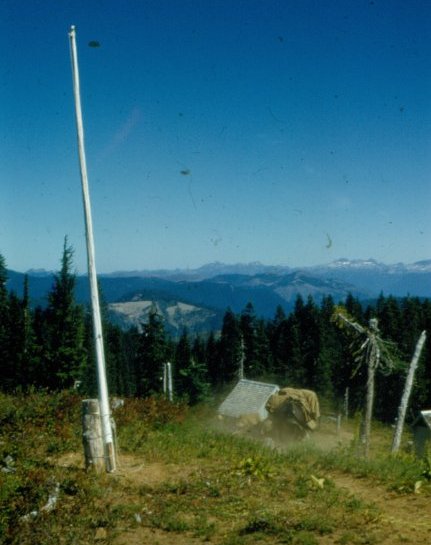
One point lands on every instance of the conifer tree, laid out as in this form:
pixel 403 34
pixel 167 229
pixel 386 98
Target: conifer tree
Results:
pixel 247 324
pixel 330 350
pixel 263 356
pixel 38 369
pixel 198 349
pixel 273 328
pixel 354 307
pixel 119 369
pixel 411 324
pixel 65 354
pixel 89 383
pixel 153 352
pixel 212 358
pixel 388 313
pixel 29 359
pixel 425 361
pixel 18 341
pixel 120 355
pixel 191 374
pixel 17 360
pixel 279 316
pixel 183 352
pixel 307 317
pixel 12 370
pixel 230 349
pixel 131 343
pixel 289 363
pixel 20 350
pixel 4 326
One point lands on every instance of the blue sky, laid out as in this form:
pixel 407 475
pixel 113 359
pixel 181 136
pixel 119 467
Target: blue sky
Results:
pixel 291 132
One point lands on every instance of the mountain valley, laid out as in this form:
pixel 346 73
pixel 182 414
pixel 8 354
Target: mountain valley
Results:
pixel 198 298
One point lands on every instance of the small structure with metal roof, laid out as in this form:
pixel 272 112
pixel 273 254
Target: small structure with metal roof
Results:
pixel 422 432
pixel 248 397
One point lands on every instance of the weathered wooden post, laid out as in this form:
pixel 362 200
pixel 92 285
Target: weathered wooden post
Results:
pixel 373 364
pixel 373 351
pixel 346 403
pixel 402 409
pixel 92 436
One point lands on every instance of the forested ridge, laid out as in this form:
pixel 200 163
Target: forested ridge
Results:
pixel 51 348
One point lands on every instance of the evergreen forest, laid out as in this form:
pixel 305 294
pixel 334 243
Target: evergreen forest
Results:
pixel 51 348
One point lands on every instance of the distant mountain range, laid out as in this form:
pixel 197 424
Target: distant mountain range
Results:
pixel 198 298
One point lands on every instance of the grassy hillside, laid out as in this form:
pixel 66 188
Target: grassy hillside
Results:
pixel 183 479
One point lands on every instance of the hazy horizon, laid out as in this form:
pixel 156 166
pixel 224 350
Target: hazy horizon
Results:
pixel 36 270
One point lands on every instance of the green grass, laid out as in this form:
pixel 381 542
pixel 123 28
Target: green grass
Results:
pixel 396 472
pixel 224 489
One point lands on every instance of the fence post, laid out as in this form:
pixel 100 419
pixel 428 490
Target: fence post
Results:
pixel 346 403
pixel 92 437
pixel 338 424
pixel 170 385
pixel 402 409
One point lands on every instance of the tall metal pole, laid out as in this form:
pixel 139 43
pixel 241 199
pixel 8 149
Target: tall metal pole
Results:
pixel 110 461
pixel 170 387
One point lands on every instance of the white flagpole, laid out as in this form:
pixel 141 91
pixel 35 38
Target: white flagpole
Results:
pixel 170 387
pixel 95 306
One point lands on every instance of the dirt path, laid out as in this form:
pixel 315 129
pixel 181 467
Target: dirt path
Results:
pixel 400 519
pixel 403 518
pixel 408 516
pixel 396 518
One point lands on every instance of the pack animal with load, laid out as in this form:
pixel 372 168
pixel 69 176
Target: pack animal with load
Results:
pixel 265 409
pixel 293 413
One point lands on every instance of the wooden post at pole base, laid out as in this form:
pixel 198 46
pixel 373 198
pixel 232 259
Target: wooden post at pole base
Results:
pixel 92 436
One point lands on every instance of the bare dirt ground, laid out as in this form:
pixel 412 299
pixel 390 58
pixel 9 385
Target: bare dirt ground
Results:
pixel 401 519
pixel 394 518
pixel 404 519
pixel 137 474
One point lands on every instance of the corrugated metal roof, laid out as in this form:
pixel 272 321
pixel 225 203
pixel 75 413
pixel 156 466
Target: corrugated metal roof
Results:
pixel 426 415
pixel 248 397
